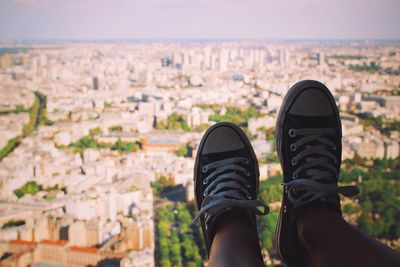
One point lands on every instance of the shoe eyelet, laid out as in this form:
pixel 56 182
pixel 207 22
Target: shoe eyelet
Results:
pixel 205 193
pixel 204 169
pixel 292 132
pixel 294 161
pixel 246 161
pixel 248 185
pixel 293 147
pixel 205 181
pixel 334 147
pixel 294 176
pixel 248 196
pixel 248 174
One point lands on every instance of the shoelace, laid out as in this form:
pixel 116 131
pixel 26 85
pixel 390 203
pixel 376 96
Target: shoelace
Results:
pixel 226 188
pixel 314 169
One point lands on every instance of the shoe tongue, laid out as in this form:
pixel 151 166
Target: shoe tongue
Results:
pixel 298 122
pixel 208 158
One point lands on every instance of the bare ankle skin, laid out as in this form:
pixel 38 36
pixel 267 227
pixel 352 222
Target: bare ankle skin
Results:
pixel 234 245
pixel 329 240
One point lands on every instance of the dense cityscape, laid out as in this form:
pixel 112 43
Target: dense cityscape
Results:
pixel 99 139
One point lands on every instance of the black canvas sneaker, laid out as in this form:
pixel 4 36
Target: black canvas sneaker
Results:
pixel 309 147
pixel 226 177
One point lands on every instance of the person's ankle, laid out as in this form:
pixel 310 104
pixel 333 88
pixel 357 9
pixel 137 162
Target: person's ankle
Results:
pixel 313 223
pixel 234 243
pixel 234 227
pixel 232 218
pixel 310 227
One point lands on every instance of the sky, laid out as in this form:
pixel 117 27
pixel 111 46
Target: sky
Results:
pixel 199 19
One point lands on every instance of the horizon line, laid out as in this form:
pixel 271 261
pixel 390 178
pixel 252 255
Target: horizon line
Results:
pixel 155 39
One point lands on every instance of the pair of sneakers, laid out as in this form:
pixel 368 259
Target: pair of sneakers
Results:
pixel 308 139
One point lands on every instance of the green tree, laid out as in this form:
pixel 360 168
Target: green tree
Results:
pixel 236 116
pixel 189 247
pixel 31 188
pixel 13 223
pixel 271 189
pixel 182 151
pixel 176 258
pixel 115 128
pixel 380 208
pixel 95 131
pixel 174 122
pixel 267 225
pixel 10 146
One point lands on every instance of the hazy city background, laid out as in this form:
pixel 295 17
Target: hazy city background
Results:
pixel 103 105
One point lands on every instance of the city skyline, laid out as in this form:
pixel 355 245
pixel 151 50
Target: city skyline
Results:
pixel 99 141
pixel 199 19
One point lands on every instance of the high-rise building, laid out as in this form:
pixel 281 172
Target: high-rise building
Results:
pixel 95 83
pixel 223 60
pixel 321 59
pixel 284 56
pixel 207 58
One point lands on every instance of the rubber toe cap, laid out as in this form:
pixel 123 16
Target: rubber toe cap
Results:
pixel 312 102
pixel 222 139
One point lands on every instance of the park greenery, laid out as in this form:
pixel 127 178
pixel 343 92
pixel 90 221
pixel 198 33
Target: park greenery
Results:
pixel 271 189
pixel 174 122
pixel 378 202
pixel 176 241
pixel 30 188
pixel 182 151
pixel 115 128
pixel 161 184
pixel 237 116
pixel 10 146
pixel 267 226
pixel 372 67
pixel 345 56
pixel 379 123
pixel 213 107
pixel 37 116
pixel 18 109
pixel 89 141
pixel 269 133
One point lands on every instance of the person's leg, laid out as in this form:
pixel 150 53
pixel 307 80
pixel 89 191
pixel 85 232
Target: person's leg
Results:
pixel 311 230
pixel 234 244
pixel 226 177
pixel 331 241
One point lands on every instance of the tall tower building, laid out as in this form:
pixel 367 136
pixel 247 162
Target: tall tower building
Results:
pixel 95 83
pixel 321 59
pixel 223 60
pixel 207 58
pixel 282 57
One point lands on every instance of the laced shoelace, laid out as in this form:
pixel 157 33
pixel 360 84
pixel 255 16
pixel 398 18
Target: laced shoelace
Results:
pixel 316 170
pixel 226 187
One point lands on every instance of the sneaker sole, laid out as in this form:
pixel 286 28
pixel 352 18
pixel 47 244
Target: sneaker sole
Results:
pixel 283 247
